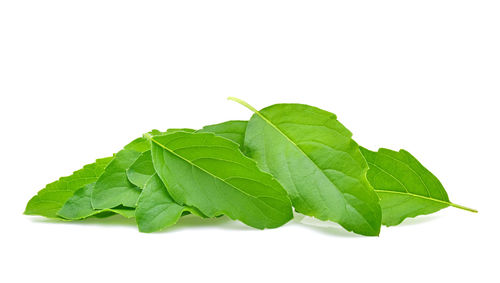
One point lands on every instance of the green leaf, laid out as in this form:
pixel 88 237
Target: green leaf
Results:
pixel 405 187
pixel 52 198
pixel 141 170
pixel 156 209
pixel 79 206
pixel 210 173
pixel 313 156
pixel 233 130
pixel 113 187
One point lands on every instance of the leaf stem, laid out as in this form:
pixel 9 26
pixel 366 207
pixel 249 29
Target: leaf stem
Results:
pixel 463 207
pixel 148 136
pixel 243 103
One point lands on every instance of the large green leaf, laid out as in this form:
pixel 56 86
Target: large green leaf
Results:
pixel 52 198
pixel 142 169
pixel 405 187
pixel 79 206
pixel 210 173
pixel 313 156
pixel 113 188
pixel 156 209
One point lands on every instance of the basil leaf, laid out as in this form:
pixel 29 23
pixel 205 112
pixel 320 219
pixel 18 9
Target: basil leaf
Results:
pixel 113 188
pixel 79 206
pixel 313 156
pixel 156 209
pixel 405 187
pixel 51 199
pixel 210 173
pixel 232 130
pixel 141 170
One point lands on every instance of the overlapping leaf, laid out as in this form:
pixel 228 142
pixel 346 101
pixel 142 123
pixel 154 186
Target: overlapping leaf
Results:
pixel 156 209
pixel 79 206
pixel 313 156
pixel 162 176
pixel 210 173
pixel 113 187
pixel 51 199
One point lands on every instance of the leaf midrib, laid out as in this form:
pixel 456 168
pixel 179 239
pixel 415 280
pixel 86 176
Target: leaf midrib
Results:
pixel 307 156
pixel 209 173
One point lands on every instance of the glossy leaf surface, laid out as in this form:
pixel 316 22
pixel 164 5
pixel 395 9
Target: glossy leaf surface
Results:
pixel 313 156
pixel 210 173
pixel 405 187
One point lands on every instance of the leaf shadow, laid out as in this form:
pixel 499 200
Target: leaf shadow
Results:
pixel 418 220
pixel 323 227
pixel 114 220
pixel 196 222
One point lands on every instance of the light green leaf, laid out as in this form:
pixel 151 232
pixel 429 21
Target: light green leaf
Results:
pixel 313 156
pixel 52 198
pixel 79 206
pixel 142 169
pixel 156 209
pixel 233 130
pixel 113 188
pixel 405 187
pixel 210 173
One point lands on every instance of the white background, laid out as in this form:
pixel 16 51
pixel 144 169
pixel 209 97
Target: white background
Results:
pixel 80 79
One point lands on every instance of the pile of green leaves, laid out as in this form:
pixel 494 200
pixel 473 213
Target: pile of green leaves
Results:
pixel 286 156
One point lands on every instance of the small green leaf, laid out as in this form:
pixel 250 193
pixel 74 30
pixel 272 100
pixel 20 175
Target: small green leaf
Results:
pixel 113 188
pixel 210 173
pixel 141 170
pixel 313 156
pixel 156 209
pixel 80 207
pixel 405 187
pixel 52 198
pixel 233 130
